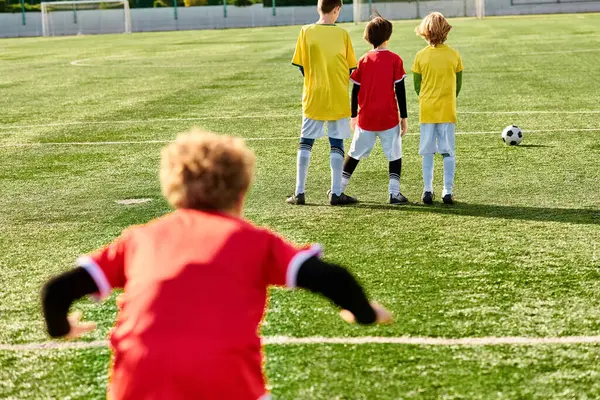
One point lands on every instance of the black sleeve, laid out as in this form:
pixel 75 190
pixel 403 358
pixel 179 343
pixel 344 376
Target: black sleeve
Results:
pixel 338 285
pixel 59 293
pixel 401 98
pixel 355 90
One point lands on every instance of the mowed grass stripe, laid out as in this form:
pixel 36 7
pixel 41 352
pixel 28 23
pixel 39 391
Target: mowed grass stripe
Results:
pixel 262 116
pixel 317 340
pixel 112 143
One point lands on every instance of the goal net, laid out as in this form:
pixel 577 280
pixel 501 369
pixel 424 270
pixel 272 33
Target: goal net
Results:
pixel 85 17
pixel 363 10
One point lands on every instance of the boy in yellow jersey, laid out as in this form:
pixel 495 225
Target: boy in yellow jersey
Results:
pixel 325 57
pixel 437 75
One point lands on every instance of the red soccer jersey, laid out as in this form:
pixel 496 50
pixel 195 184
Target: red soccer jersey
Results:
pixel 195 293
pixel 377 73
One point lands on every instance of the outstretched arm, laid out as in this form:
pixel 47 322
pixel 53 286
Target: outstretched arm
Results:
pixel 458 82
pixel 417 82
pixel 339 286
pixel 57 296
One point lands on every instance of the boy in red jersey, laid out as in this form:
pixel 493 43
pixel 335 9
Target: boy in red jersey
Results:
pixel 196 283
pixel 379 91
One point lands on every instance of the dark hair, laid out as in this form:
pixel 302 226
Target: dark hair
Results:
pixel 378 30
pixel 327 6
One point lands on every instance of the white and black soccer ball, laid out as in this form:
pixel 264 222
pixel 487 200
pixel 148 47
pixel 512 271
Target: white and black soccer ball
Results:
pixel 512 135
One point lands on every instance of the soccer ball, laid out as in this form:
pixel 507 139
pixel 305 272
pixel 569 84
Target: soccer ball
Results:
pixel 512 135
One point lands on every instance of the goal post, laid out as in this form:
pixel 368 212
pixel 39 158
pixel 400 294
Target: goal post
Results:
pixel 480 9
pixel 85 16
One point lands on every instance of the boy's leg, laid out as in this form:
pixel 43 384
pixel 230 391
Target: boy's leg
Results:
pixel 427 149
pixel 394 186
pixel 303 161
pixel 446 143
pixel 391 143
pixel 349 166
pixel 362 145
pixel 337 132
pixel 311 130
pixel 449 170
pixel 336 156
pixel 427 167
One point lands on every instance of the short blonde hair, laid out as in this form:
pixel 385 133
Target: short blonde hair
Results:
pixel 206 171
pixel 434 28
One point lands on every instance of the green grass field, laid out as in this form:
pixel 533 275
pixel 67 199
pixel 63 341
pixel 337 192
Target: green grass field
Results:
pixel 519 254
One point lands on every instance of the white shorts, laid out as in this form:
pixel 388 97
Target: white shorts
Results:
pixel 313 129
pixel 364 141
pixel 437 138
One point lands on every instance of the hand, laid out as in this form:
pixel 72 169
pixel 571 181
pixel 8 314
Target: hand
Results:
pixel 120 301
pixel 78 328
pixel 382 316
pixel 353 124
pixel 403 126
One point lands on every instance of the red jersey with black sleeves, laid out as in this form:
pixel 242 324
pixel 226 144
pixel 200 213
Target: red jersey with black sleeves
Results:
pixel 195 293
pixel 377 73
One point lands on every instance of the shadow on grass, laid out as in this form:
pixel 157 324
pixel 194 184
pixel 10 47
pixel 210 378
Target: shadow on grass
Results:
pixel 566 215
pixel 534 145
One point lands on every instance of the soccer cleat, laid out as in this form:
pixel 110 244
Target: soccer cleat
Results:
pixel 297 199
pixel 340 200
pixel 448 199
pixel 428 197
pixel 398 199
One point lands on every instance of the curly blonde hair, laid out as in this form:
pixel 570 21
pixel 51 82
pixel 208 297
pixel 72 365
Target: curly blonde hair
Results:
pixel 206 171
pixel 434 28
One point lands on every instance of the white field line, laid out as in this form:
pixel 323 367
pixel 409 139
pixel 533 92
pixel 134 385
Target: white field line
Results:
pixel 535 53
pixel 84 62
pixel 296 115
pixel 318 340
pixel 132 142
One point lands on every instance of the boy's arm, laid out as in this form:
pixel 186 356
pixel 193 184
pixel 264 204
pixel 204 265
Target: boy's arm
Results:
pixel 354 103
pixel 288 265
pixel 59 293
pixel 417 82
pixel 458 82
pixel 339 286
pixel 401 98
pixel 97 273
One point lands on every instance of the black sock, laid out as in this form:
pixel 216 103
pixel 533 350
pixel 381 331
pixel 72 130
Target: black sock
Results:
pixel 395 169
pixel 349 167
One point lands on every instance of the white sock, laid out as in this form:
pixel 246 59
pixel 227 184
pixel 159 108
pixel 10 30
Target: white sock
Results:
pixel 449 168
pixel 337 165
pixel 302 162
pixel 394 186
pixel 428 172
pixel 345 181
